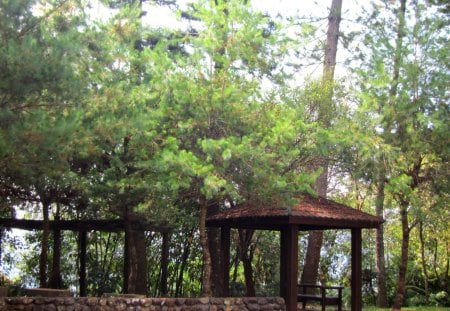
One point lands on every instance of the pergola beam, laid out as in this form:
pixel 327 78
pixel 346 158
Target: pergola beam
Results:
pixel 104 225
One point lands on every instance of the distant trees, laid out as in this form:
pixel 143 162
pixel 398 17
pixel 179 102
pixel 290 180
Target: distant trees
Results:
pixel 401 89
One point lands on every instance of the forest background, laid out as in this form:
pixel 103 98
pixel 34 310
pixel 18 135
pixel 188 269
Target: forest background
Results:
pixel 111 117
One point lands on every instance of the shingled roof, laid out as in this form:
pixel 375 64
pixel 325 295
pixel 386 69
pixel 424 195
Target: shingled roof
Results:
pixel 311 213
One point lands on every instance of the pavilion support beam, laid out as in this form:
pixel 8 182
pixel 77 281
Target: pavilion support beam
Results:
pixel 225 260
pixel 289 266
pixel 356 280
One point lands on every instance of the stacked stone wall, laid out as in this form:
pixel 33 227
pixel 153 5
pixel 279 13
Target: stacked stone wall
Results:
pixel 142 304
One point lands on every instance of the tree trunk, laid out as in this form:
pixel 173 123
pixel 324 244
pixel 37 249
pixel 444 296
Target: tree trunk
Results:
pixel 401 283
pixel 245 238
pixel 44 244
pixel 55 280
pixel 315 238
pixel 206 275
pixel 447 266
pixel 424 264
pixel 136 255
pixel 334 20
pixel 312 258
pixel 382 301
pixel 214 249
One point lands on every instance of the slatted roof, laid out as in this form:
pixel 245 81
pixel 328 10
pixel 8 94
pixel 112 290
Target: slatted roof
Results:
pixel 311 213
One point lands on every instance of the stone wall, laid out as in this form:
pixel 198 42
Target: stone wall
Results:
pixel 142 304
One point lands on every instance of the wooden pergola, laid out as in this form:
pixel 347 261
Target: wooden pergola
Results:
pixel 312 213
pixel 83 226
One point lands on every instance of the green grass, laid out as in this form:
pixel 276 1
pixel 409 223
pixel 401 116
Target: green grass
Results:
pixel 418 308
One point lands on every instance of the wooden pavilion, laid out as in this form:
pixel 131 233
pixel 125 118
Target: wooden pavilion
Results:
pixel 312 213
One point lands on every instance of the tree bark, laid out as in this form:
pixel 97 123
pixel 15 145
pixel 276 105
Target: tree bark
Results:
pixel 206 275
pixel 44 244
pixel 401 282
pixel 214 249
pixel 447 266
pixel 312 258
pixel 334 20
pixel 55 280
pixel 136 258
pixel 423 259
pixel 315 238
pixel 382 301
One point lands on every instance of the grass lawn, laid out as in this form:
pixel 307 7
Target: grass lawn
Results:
pixel 419 308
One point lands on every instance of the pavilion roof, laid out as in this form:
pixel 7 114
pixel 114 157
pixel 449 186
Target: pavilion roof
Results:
pixel 310 213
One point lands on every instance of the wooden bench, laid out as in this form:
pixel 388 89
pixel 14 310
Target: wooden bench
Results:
pixel 312 292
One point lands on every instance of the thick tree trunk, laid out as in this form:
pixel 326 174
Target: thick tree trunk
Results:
pixel 401 283
pixel 312 258
pixel 55 280
pixel 214 250
pixel 137 278
pixel 206 275
pixel 315 238
pixel 136 259
pixel 382 301
pixel 44 244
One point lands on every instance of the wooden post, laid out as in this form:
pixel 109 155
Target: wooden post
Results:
pixel 164 263
pixel 225 260
pixel 356 282
pixel 289 266
pixel 82 236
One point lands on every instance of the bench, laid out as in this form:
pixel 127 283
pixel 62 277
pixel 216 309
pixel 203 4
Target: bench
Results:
pixel 320 293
